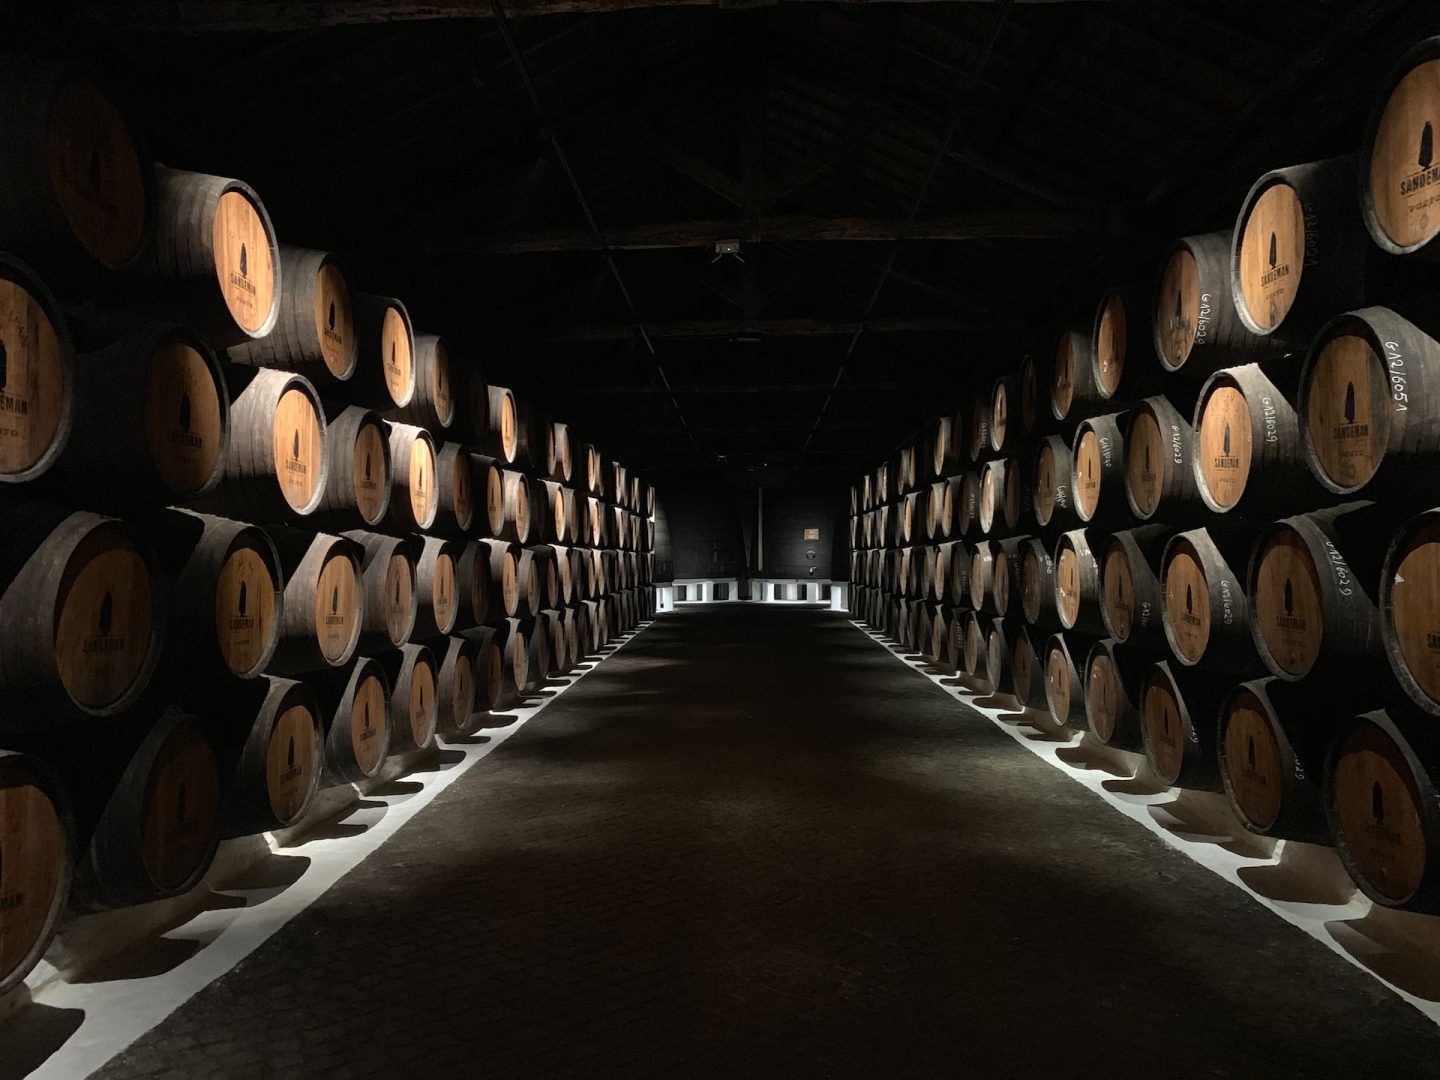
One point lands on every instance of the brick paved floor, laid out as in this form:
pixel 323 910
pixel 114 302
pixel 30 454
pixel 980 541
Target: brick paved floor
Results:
pixel 753 845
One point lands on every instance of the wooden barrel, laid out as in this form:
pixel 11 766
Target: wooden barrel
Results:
pixel 322 607
pixel 277 464
pixel 992 496
pixel 1410 609
pixel 385 374
pixel 959 587
pixel 355 703
pixel 1122 346
pixel 1099 470
pixel 1016 501
pixel 939 510
pixel 270 757
pixel 515 656
pixel 942 458
pixel 515 497
pixel 1206 612
pixel 1179 713
pixel 75 188
pixel 527 582
pixel 1064 688
pixel 1197 329
pixel 455 485
pixel 414 496
pixel 1009 570
pixel 227 596
pixel 156 834
pixel 1160 479
pixel 1053 491
pixel 488 668
pixel 502 435
pixel 1399 171
pixel 1272 744
pixel 1132 599
pixel 437 587
pixel 1113 679
pixel 998 658
pixel 552 626
pixel 974 645
pixel 1033 391
pixel 1037 583
pixel 1027 674
pixel 1077 584
pixel 503 596
pixel 1074 393
pixel 558 463
pixel 37 838
pixel 1005 430
pixel 389 602
pixel 214 243
pixel 433 404
pixel 938 572
pixel 966 505
pixel 907 474
pixel 1298 253
pixel 978 427
pixel 1249 456
pixel 81 618
pixel 37 376
pixel 982 576
pixel 565 566
pixel 1365 403
pixel 1314 583
pixel 413 675
pixel 359 480
pixel 314 331
pixel 457 689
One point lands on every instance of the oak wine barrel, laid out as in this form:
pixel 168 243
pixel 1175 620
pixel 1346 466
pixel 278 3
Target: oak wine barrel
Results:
pixel 1009 568
pixel 359 480
pixel 967 505
pixel 1027 675
pixel 314 332
pixel 37 376
pixel 414 496
pixel 437 587
pixel 1034 393
pixel 271 763
pixel 413 675
pixel 992 497
pixel 389 602
pixel 1037 584
pixel 1016 499
pixel 515 656
pixel 982 576
pixel 321 610
pixel 355 704
pixel 1132 598
pixel 1160 481
pixel 552 626
pixel 433 405
pixel 1410 609
pixel 1053 491
pixel 37 843
pixel 519 518
pixel 1122 347
pixel 1272 744
pixel 1077 584
pixel 1179 714
pixel 489 669
pixel 559 465
pixel 942 458
pixel 455 486
pixel 456 687
pixel 1074 393
pixel 1064 687
pixel 385 374
pixel 975 645
pixel 1113 678
pixel 999 654
pixel 1099 470
pixel 502 435
pixel 1400 176
pixel 527 584
pixel 503 594
pixel 978 426
pixel 1005 433
pixel 1206 613
pixel 939 510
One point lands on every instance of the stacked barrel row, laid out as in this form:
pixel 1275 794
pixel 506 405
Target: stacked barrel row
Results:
pixel 261 534
pixel 1205 526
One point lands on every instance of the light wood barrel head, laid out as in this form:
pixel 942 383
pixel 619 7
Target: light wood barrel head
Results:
pixel 1415 608
pixel 510 438
pixel 291 758
pixel 1110 341
pixel 1067 584
pixel 1045 483
pixel 32 380
pixel 422 482
pixel 1117 591
pixel 399 591
pixel 1225 445
pixel 1146 458
pixel 988 500
pixel 462 689
pixel 245 591
pixel 367 724
pixel 397 357
pixel 1089 470
pixel 558 515
pixel 370 475
pixel 1253 761
pixel 1187 602
pixel 105 621
pixel 244 263
pixel 1380 812
pixel 443 597
pixel 298 442
pixel 1103 696
pixel 999 414
pixel 337 605
pixel 423 705
pixel 1164 728
pixel 1177 308
pixel 33 856
pixel 182 807
pixel 95 173
pixel 1288 607
pixel 1347 410
pixel 335 321
pixel 442 385
pixel 979 576
pixel 184 424
pixel 1057 683
pixel 1404 177
pixel 1063 385
pixel 1271 255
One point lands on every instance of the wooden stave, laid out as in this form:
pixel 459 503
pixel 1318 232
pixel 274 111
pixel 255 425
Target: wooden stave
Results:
pixel 1196 694
pixel 303 555
pixel 19 769
pixel 339 506
pixel 1129 665
pixel 12 269
pixel 335 691
pixel 1180 500
pixel 1218 549
pixel 368 385
pixel 1143 549
pixel 1070 711
pixel 400 513
pixel 1112 502
pixel 1140 373
pixel 378 550
pixel 400 666
pixel 1063 514
pixel 1083 391
pixel 294 343
pixel 1302 743
pixel 1421 52
pixel 250 716
pixel 1088 618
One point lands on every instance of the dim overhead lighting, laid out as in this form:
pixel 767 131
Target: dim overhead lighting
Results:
pixel 727 247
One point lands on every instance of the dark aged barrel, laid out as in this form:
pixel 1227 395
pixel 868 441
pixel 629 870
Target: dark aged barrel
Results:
pixel 967 505
pixel 1016 500
pixel 1314 584
pixel 538 654
pixel 1037 583
pixel 489 489
pixel 1381 779
pixel 560 558
pixel 1074 393
pixel 277 463
pixel 1400 176
pixel 158 829
pixel 1053 491
pixel 385 374
pixel 320 627
pixel 942 459
pixel 1272 744
pixel 959 587
pixel 1298 254
pixel 527 578
pixel 437 588
pixel 1131 597
pixel 998 656
pixel 515 498
pixel 358 482
pixel 1113 679
pixel 413 675
pixel 414 495
pixel 1005 431
pixel 227 599
pixel 906 468
pixel 1027 674
pixel 938 573
pixel 1197 329
pixel 1248 452
pixel 992 495
pixel 1099 470
pixel 456 689
pixel 982 576
pixel 1064 688
pixel 80 616
pixel 74 187
pixel 455 488
pixel 974 646
pixel 1077 584
pixel 558 463
pixel 550 623
pixel 270 770
pixel 979 428
pixel 1178 711
pixel 1034 393
pixel 215 243
pixel 1009 568
pixel 314 332
pixel 37 376
pixel 939 511
pixel 1160 464
pixel 515 656
pixel 502 438
pixel 1206 614
pixel 388 599
pixel 355 704
pixel 1410 609
pixel 432 405
pixel 1122 346
pixel 1366 404
pixel 503 596
pixel 37 836
pixel 489 668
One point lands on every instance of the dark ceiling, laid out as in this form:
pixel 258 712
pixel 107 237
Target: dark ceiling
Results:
pixel 921 191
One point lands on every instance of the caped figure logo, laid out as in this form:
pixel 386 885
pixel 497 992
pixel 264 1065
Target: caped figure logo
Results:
pixel 295 446
pixel 1427 145
pixel 1377 803
pixel 334 599
pixel 1226 447
pixel 107 610
pixel 1250 750
pixel 1274 250
pixel 244 591
pixel 1349 403
pixel 290 754
pixel 332 314
pixel 4 367
pixel 180 804
pixel 184 411
pixel 1189 600
pixel 244 262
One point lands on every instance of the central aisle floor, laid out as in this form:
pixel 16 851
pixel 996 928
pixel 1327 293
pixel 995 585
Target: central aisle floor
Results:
pixel 754 845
